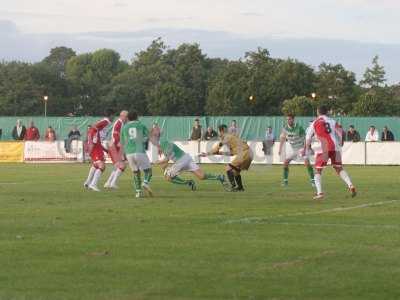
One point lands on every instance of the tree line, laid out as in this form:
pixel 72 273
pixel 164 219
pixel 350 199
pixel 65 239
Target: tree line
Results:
pixel 184 81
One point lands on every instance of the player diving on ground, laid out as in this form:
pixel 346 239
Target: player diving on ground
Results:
pixel 181 162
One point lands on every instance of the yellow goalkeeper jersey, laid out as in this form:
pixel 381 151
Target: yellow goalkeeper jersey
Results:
pixel 235 144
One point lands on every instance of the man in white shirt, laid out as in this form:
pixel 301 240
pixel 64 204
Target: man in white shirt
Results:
pixel 372 135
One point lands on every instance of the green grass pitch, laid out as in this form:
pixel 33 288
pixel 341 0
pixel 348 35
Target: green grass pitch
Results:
pixel 58 241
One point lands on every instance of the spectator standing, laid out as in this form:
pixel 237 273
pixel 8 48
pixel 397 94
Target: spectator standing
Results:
pixel 155 133
pixel 210 134
pixel 32 133
pixel 342 133
pixel 353 135
pixel 73 135
pixel 234 129
pixel 268 142
pixel 387 135
pixel 19 131
pixel 50 135
pixel 86 142
pixel 196 131
pixel 372 135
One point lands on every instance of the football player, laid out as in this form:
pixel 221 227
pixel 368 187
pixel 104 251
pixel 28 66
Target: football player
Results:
pixel 293 139
pixel 242 157
pixel 96 135
pixel 181 162
pixel 328 134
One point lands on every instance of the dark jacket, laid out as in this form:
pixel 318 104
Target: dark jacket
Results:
pixel 15 133
pixel 353 136
pixel 213 135
pixel 196 133
pixel 74 135
pixel 389 137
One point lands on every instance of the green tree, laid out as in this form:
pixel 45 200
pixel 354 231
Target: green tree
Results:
pixel 228 92
pixel 373 103
pixel 19 94
pixel 58 59
pixel 374 77
pixel 273 80
pixel 90 77
pixel 189 65
pixel 299 106
pixel 338 85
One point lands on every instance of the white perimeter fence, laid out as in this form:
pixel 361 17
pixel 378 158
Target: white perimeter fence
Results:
pixel 378 153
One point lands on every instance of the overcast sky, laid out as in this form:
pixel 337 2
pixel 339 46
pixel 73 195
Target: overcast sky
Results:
pixel 361 20
pixel 375 22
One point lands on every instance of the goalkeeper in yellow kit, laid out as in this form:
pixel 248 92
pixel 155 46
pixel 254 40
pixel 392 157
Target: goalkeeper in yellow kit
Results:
pixel 242 157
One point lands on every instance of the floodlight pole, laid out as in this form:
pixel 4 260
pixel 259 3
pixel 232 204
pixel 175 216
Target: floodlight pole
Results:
pixel 45 99
pixel 314 96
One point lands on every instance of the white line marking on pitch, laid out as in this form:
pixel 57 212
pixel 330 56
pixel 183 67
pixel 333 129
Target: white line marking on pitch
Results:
pixel 336 225
pixel 249 220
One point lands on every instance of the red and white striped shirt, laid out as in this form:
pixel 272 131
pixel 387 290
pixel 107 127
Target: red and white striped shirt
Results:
pixel 327 133
pixel 116 131
pixel 101 127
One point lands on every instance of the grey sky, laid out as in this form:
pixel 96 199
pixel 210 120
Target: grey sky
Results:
pixel 360 20
pixel 251 23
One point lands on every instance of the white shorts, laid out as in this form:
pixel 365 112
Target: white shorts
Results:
pixel 292 153
pixel 185 163
pixel 138 161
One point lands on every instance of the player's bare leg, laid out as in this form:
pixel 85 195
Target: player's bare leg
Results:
pixel 100 167
pixel 346 178
pixel 318 184
pixel 310 171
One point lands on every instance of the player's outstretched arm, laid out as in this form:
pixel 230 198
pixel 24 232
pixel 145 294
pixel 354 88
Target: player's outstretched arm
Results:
pixel 163 163
pixel 205 154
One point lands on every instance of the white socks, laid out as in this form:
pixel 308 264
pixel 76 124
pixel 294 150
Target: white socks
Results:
pixel 115 176
pixel 318 184
pixel 90 176
pixel 110 179
pixel 343 174
pixel 96 177
pixel 345 177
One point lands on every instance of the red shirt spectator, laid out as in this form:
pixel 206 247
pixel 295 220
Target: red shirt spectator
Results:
pixel 32 133
pixel 50 135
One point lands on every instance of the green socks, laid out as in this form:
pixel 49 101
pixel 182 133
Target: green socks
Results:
pixel 148 174
pixel 137 181
pixel 285 174
pixel 211 177
pixel 177 180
